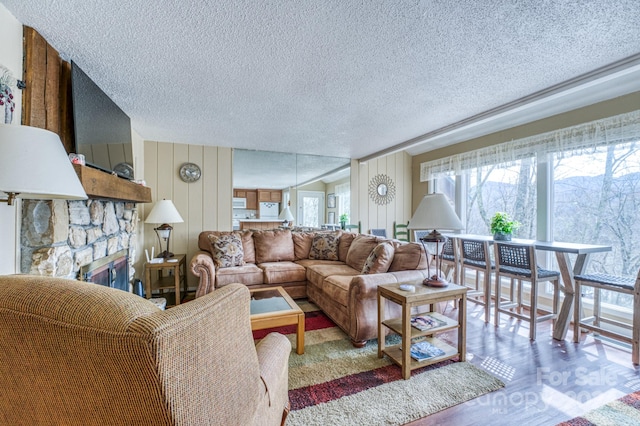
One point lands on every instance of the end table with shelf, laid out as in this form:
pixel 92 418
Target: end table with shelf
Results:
pixel 169 274
pixel 423 295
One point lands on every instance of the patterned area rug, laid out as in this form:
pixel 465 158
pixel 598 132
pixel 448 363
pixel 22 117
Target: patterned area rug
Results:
pixel 334 383
pixel 621 412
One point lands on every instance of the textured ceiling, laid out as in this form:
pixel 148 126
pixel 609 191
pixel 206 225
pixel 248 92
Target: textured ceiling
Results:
pixel 338 77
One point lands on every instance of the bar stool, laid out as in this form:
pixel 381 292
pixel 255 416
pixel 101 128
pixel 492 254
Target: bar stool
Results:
pixel 475 255
pixel 450 259
pixel 624 285
pixel 518 263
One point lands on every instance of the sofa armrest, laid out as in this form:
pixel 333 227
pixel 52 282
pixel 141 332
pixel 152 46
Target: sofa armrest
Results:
pixel 202 266
pixel 273 358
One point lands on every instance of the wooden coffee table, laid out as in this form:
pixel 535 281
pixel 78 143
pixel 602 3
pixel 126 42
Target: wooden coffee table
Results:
pixel 273 307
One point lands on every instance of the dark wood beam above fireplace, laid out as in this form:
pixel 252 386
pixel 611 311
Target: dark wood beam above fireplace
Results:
pixel 101 185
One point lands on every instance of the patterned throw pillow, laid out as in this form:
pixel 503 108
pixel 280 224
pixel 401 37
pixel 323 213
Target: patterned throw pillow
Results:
pixel 324 247
pixel 379 259
pixel 226 250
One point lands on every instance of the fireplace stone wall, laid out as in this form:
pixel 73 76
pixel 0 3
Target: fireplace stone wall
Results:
pixel 58 236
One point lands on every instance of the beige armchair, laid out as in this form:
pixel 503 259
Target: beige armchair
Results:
pixel 76 353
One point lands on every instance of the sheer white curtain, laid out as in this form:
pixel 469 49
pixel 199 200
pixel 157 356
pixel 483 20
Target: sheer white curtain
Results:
pixel 569 141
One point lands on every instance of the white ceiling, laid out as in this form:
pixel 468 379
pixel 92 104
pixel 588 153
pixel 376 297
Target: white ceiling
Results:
pixel 341 77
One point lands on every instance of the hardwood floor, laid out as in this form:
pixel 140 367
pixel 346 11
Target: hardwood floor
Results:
pixel 547 381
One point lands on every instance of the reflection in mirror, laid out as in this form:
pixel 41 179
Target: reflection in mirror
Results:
pixel 301 180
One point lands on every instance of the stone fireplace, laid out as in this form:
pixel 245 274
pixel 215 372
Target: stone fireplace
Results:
pixel 58 237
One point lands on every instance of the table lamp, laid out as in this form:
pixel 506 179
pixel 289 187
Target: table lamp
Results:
pixel 34 164
pixel 286 216
pixel 435 212
pixel 164 212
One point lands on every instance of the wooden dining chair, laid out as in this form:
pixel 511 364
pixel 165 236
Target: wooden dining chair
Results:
pixel 475 255
pixel 401 231
pixel 518 263
pixel 606 325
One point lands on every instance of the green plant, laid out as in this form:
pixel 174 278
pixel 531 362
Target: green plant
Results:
pixel 344 218
pixel 502 223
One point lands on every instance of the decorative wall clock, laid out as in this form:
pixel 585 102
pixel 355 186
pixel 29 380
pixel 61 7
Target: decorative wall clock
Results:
pixel 190 172
pixel 382 190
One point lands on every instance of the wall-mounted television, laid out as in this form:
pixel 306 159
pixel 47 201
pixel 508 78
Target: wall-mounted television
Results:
pixel 102 129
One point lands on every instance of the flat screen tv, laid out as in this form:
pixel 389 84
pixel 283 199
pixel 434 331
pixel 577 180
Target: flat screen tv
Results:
pixel 102 129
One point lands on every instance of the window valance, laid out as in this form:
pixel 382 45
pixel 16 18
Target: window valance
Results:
pixel 569 141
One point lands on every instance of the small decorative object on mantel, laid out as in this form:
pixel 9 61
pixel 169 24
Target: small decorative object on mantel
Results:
pixel 382 190
pixel 502 227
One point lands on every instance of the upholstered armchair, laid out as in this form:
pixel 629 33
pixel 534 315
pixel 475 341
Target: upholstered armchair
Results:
pixel 76 353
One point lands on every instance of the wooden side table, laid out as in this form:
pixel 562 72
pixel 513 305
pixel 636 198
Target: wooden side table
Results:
pixel 170 273
pixel 401 354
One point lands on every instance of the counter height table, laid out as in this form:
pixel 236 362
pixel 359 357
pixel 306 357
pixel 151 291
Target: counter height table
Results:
pixel 562 251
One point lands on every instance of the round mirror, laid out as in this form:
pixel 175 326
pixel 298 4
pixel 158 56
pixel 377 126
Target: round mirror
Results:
pixel 382 189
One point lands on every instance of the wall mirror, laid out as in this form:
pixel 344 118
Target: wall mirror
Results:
pixel 304 180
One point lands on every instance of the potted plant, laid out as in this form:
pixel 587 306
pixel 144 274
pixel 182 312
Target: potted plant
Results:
pixel 344 218
pixel 502 227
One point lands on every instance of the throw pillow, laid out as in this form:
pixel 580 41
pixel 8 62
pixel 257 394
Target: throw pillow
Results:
pixel 360 249
pixel 324 247
pixel 379 259
pixel 227 250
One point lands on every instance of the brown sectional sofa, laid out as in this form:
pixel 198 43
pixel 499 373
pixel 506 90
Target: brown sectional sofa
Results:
pixel 339 271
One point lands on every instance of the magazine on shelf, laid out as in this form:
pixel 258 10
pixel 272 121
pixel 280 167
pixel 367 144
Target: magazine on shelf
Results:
pixel 426 322
pixel 425 350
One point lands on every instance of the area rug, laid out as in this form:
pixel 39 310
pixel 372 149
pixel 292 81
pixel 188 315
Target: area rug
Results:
pixel 621 412
pixel 333 383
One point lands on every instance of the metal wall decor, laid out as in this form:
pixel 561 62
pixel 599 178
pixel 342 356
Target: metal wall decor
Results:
pixel 382 190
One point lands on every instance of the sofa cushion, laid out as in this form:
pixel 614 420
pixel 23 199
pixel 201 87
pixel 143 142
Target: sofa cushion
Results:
pixel 226 250
pixel 318 272
pixel 379 259
pixel 346 238
pixel 408 256
pixel 282 272
pixel 247 246
pixel 302 244
pixel 324 247
pixel 337 288
pixel 248 274
pixel 359 250
pixel 273 245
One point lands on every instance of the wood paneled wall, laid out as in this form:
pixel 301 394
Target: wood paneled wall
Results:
pixel 46 99
pixel 204 205
pixel 398 168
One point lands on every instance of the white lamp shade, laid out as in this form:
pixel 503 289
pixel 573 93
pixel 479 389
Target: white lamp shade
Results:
pixel 286 214
pixel 164 212
pixel 435 212
pixel 34 164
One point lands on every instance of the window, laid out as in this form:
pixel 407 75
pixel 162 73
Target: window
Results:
pixel 499 188
pixel 597 200
pixel 343 192
pixel 580 184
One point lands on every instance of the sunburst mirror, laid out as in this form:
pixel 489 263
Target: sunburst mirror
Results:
pixel 382 190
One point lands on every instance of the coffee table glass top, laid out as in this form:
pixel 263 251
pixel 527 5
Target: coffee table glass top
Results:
pixel 267 301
